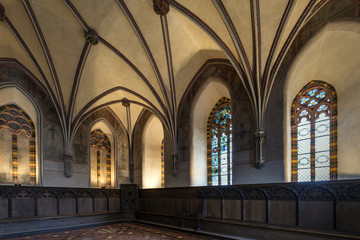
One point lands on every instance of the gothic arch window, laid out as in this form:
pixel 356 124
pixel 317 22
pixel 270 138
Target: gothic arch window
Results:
pixel 314 133
pixel 162 165
pixel 17 130
pixel 219 138
pixel 100 143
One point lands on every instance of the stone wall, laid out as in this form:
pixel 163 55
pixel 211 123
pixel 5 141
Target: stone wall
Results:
pixel 49 138
pixel 242 119
pixel 319 60
pixel 81 146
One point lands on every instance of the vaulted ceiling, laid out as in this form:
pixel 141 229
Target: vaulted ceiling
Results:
pixel 94 53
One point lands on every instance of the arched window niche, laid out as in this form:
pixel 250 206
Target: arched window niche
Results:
pixel 152 160
pixel 19 147
pixel 314 133
pixel 205 100
pixel 102 156
pixel 219 144
pixel 320 58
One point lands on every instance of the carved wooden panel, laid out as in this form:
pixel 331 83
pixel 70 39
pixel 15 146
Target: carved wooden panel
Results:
pixel 129 197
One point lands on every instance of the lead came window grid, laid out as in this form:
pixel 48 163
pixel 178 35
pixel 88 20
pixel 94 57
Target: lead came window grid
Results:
pixel 314 133
pixel 219 135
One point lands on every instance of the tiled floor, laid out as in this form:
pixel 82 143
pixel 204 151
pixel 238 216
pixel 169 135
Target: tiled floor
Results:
pixel 122 231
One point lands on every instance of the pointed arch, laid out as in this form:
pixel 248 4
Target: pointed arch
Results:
pixel 100 143
pixel 108 129
pixel 152 136
pixel 314 133
pixel 18 122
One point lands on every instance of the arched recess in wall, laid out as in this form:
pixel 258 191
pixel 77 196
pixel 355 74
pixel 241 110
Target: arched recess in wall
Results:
pixel 19 135
pixel 152 138
pixel 102 155
pixel 204 103
pixel 191 111
pixel 314 133
pixel 81 148
pixel 331 56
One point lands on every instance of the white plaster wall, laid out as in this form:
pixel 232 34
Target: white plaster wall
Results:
pixel 151 155
pixel 205 102
pixel 84 175
pixel 54 175
pixel 331 56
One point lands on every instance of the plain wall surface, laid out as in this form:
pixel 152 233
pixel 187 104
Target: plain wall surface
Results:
pixel 331 56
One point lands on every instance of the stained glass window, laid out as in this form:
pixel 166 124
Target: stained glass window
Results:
pixel 314 133
pixel 219 135
pixel 162 165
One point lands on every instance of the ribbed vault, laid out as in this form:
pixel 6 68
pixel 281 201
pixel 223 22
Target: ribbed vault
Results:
pixel 134 54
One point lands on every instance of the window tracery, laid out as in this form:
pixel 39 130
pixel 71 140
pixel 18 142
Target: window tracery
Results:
pixel 17 122
pixel 100 142
pixel 219 144
pixel 314 133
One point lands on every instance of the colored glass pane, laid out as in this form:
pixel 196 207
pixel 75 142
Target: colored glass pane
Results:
pixel 304 100
pixel 312 103
pixel 219 129
pixel 214 160
pixel 322 108
pixel 321 95
pixel 303 113
pixel 312 93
